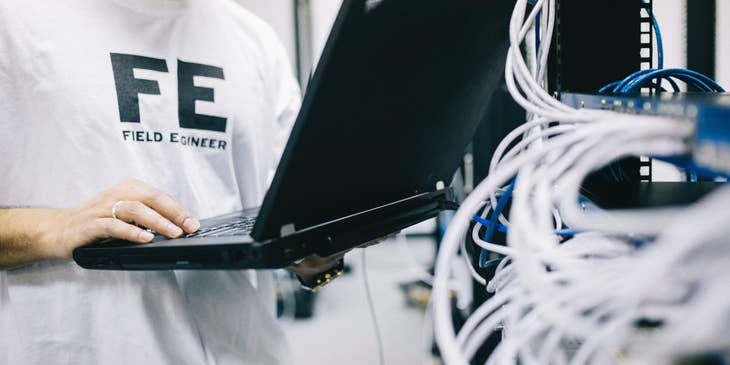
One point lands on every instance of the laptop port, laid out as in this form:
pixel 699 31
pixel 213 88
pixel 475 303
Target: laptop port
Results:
pixel 239 255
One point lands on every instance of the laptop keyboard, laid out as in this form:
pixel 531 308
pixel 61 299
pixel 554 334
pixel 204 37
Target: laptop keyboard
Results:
pixel 239 226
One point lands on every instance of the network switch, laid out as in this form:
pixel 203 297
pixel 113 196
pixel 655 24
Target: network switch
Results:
pixel 710 112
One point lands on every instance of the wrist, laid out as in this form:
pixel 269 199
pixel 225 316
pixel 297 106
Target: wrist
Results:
pixel 47 232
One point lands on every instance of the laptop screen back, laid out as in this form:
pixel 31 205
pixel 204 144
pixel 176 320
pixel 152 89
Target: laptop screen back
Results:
pixel 395 100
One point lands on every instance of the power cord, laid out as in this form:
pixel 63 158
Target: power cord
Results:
pixel 503 200
pixel 371 306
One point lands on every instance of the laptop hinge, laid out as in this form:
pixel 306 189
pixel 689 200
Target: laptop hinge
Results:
pixel 287 229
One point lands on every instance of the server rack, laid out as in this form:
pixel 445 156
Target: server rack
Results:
pixel 612 45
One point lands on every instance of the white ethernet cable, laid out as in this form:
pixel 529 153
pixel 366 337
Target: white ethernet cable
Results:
pixel 580 301
pixel 677 281
pixel 531 242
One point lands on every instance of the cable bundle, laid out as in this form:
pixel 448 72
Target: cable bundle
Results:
pixel 652 79
pixel 599 296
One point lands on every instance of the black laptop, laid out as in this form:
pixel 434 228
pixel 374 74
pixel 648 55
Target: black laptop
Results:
pixel 395 100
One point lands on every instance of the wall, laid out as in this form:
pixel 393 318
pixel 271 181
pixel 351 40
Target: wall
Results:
pixel 671 15
pixel 324 13
pixel 723 43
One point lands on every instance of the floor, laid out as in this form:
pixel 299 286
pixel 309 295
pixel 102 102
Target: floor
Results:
pixel 341 331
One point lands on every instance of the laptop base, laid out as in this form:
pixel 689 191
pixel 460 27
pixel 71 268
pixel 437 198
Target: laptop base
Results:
pixel 242 252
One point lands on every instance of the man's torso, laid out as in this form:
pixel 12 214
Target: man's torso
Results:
pixel 175 95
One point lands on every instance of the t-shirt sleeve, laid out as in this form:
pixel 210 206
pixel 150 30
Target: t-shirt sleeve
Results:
pixel 8 107
pixel 256 159
pixel 286 95
pixel 10 87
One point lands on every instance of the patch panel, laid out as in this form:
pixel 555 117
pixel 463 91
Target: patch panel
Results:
pixel 709 111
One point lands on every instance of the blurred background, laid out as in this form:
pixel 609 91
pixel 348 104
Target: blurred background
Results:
pixel 336 325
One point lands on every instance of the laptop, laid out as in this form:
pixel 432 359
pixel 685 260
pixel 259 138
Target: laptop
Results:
pixel 395 99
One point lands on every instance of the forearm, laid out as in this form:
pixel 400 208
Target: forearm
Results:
pixel 24 235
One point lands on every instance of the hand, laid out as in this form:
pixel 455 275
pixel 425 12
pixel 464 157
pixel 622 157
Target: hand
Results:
pixel 136 204
pixel 314 265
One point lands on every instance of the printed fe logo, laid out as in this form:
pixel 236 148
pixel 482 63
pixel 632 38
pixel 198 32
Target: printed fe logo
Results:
pixel 129 88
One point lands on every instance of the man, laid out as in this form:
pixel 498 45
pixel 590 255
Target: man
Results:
pixel 188 103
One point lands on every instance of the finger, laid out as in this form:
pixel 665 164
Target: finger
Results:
pixel 315 261
pixel 334 258
pixel 114 228
pixel 169 208
pixel 133 211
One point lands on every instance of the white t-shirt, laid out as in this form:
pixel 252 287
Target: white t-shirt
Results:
pixel 194 97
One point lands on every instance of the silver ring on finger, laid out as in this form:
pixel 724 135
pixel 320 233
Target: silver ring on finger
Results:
pixel 114 209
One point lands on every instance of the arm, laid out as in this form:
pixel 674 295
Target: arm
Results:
pixel 30 235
